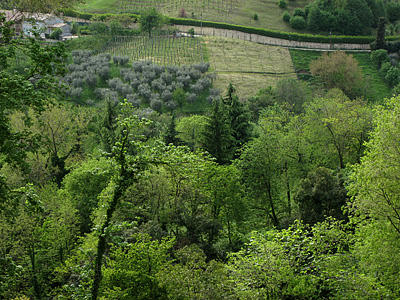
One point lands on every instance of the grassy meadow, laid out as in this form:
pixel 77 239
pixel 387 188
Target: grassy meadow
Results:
pixel 375 86
pixel 238 12
pixel 247 65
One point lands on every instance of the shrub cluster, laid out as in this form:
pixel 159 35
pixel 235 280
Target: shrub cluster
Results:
pixel 154 85
pixel 86 69
pixel 141 83
pixel 388 66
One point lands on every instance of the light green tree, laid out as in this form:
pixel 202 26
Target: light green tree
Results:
pixel 151 19
pixel 337 127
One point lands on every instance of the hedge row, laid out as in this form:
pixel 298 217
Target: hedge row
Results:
pixel 301 37
pixel 97 17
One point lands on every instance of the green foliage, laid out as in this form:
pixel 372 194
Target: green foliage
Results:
pixel 33 88
pixel 340 126
pixel 380 33
pixel 56 34
pixel 286 16
pixel 217 136
pixel 191 31
pixel 379 57
pixel 238 118
pixel 299 12
pixel 282 3
pixel 393 11
pixel 320 195
pixel 297 22
pixel 84 184
pixel 133 271
pixel 287 264
pixel 191 277
pixel 150 20
pixel 171 135
pixel 374 185
pixel 263 99
pixel 191 130
pixel 292 94
pixel 255 16
pixel 339 70
pixel 392 76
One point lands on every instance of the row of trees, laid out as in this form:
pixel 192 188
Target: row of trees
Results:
pixel 352 17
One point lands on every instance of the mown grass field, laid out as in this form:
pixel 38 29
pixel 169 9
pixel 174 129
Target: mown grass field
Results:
pixel 238 12
pixel 375 87
pixel 249 66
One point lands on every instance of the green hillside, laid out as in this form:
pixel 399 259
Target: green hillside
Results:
pixel 239 12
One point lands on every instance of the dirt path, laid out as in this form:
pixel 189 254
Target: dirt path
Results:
pixel 272 41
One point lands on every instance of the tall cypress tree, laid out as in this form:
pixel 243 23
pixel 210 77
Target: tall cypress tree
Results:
pixel 171 135
pixel 217 137
pixel 380 33
pixel 238 117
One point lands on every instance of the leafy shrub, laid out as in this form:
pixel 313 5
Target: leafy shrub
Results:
pixel 134 99
pixel 299 12
pixel 379 56
pixel 339 70
pixel 282 3
pixel 171 105
pixel 255 16
pixel 91 80
pixel 191 32
pixel 385 68
pixel 155 102
pixel 298 22
pixel 56 34
pixel 103 72
pixel 393 11
pixel 166 96
pixel 286 16
pixel 392 76
pixel 166 77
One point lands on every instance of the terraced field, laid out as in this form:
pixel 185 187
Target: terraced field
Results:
pixel 248 65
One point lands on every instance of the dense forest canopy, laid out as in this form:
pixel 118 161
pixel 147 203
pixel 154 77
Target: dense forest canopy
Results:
pixel 129 179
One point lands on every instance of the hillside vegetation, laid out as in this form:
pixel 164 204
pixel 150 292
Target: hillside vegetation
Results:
pixel 149 164
pixel 238 12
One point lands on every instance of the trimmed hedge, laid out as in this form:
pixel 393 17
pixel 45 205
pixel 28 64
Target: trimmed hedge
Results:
pixel 294 36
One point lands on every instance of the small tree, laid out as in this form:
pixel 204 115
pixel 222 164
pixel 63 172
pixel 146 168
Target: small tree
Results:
pixel 182 13
pixel 380 33
pixel 282 3
pixel 150 20
pixel 298 22
pixel 56 34
pixel 339 70
pixel 286 16
pixel 179 96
